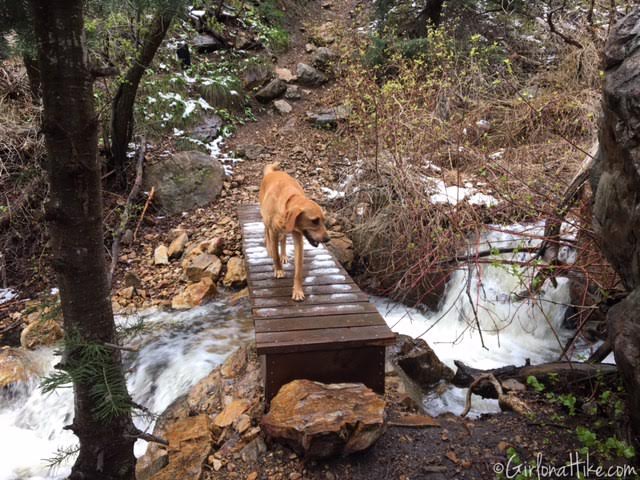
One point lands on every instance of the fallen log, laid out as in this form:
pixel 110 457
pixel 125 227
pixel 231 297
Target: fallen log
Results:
pixel 565 374
pixel 508 401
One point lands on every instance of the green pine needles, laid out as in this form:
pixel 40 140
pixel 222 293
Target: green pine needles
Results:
pixel 92 365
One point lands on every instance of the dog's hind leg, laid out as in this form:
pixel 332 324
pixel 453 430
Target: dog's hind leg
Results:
pixel 271 242
pixel 283 249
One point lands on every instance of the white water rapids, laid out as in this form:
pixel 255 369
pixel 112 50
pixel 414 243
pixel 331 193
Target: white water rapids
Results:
pixel 175 350
pixel 179 348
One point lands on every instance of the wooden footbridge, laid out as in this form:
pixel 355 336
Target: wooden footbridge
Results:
pixel 334 335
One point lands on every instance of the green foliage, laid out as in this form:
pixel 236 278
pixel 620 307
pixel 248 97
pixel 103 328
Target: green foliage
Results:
pixel 533 382
pixel 612 447
pixel 61 456
pixel 94 366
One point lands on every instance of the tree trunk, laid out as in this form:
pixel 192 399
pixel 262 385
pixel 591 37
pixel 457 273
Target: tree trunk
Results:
pixel 429 16
pixel 74 216
pixel 124 100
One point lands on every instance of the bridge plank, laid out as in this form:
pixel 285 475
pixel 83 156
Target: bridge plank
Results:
pixel 328 338
pixel 317 323
pixel 311 299
pixel 304 310
pixel 259 293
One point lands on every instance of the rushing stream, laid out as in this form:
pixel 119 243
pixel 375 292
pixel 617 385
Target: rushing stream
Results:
pixel 176 349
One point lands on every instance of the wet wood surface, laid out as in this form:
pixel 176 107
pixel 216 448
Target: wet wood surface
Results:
pixel 335 313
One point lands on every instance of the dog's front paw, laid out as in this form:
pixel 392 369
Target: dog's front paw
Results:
pixel 278 274
pixel 284 259
pixel 298 295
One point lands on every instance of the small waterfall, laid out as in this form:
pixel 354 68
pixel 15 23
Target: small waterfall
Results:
pixel 174 351
pixel 514 329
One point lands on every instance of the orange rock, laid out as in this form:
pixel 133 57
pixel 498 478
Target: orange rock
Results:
pixel 231 413
pixel 320 420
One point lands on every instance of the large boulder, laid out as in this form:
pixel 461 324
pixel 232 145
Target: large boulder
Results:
pixel 616 183
pixel 420 363
pixel 185 180
pixel 43 332
pixel 307 75
pixel 319 420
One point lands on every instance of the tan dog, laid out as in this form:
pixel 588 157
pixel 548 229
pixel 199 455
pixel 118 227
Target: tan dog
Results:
pixel 285 209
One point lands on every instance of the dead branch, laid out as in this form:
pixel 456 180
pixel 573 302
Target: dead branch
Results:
pixel 120 347
pixel 139 434
pixel 124 219
pixel 473 307
pixel 144 210
pixel 551 244
pixel 601 352
pixel 566 372
pixel 554 30
pixel 507 401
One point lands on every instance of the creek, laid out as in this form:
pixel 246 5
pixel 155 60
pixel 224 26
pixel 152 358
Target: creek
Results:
pixel 176 349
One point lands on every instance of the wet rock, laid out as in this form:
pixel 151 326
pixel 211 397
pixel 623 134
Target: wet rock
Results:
pixel 616 209
pixel 236 275
pixel 189 445
pixel 208 130
pixel 250 151
pixel 16 367
pixel 420 362
pixel 161 255
pixel 322 58
pixel 203 265
pixel 194 294
pixel 282 106
pixel 206 43
pixel 185 180
pixel 274 89
pixel 320 420
pixel 342 247
pixel 177 245
pixel 307 75
pixel 41 333
pixel 293 93
pixel 285 74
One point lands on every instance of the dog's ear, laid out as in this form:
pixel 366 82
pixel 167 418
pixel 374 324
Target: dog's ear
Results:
pixel 290 218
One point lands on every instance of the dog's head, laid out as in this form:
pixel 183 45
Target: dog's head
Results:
pixel 307 217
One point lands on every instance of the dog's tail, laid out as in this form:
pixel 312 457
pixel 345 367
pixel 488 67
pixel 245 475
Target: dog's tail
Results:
pixel 271 167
